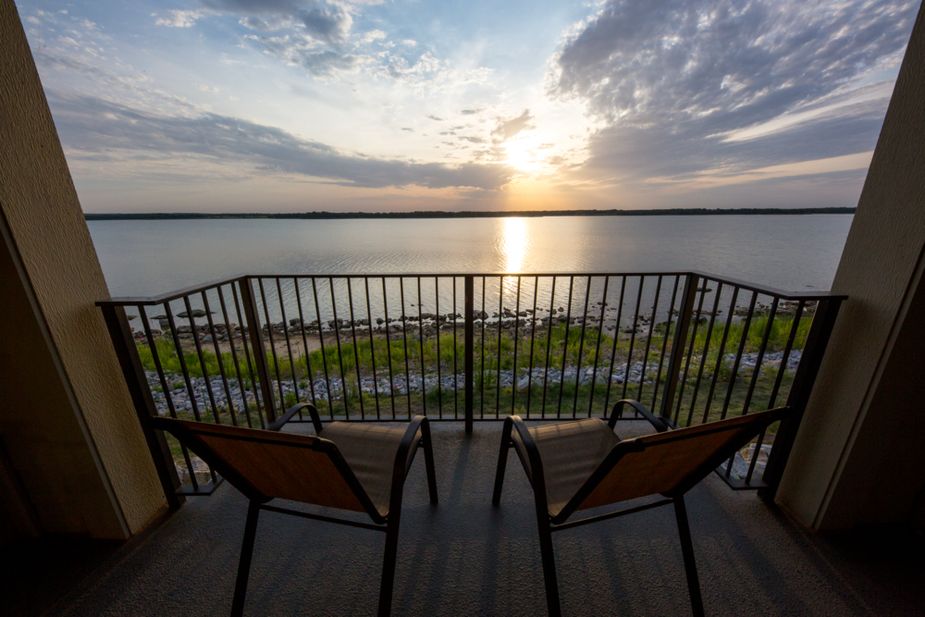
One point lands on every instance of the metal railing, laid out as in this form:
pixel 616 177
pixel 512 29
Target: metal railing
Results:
pixel 694 347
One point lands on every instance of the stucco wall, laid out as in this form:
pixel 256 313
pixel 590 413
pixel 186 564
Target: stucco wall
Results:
pixel 854 459
pixel 53 245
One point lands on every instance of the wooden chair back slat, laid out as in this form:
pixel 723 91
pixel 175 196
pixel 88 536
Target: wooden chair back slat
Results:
pixel 669 463
pixel 266 465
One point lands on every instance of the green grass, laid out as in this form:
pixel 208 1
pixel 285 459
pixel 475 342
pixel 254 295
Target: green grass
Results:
pixel 563 344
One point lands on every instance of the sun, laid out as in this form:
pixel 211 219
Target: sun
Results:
pixel 523 155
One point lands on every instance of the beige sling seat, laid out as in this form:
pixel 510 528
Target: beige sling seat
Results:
pixel 581 464
pixel 347 466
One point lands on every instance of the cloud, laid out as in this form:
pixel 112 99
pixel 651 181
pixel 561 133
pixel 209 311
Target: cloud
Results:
pixel 179 19
pixel 102 131
pixel 508 128
pixel 330 23
pixel 694 86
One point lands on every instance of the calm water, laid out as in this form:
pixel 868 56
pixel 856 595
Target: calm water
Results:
pixel 790 252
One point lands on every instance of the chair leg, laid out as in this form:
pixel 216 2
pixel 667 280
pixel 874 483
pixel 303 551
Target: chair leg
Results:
pixel 687 549
pixel 549 566
pixel 244 564
pixel 429 462
pixel 388 565
pixel 502 461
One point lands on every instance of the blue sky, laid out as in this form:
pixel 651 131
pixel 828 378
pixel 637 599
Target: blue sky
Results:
pixel 287 105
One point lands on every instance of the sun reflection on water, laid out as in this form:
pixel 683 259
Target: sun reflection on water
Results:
pixel 514 243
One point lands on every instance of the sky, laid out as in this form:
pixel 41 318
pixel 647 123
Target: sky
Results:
pixel 366 105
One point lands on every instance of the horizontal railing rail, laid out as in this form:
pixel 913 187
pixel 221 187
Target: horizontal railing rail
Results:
pixel 692 346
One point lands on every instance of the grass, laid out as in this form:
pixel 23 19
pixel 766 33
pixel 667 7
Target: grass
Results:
pixel 562 345
pixel 707 388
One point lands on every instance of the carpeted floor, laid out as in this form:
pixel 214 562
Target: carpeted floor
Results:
pixel 466 558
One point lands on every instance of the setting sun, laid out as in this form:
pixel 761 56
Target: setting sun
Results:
pixel 523 154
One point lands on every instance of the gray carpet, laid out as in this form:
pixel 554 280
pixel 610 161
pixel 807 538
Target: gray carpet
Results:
pixel 466 558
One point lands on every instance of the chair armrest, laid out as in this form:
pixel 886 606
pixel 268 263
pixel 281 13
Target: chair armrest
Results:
pixel 286 417
pixel 409 444
pixel 528 452
pixel 659 423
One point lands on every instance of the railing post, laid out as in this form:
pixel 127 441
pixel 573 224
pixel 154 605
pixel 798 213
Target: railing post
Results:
pixel 124 344
pixel 468 350
pixel 260 355
pixel 813 351
pixel 677 344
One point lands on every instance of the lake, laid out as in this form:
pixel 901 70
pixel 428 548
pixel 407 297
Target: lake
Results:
pixel 793 252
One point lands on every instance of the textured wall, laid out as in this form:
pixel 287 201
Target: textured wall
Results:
pixel 856 460
pixel 51 240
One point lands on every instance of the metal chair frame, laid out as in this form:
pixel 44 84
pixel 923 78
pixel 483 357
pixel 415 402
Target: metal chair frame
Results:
pixel 749 426
pixel 417 435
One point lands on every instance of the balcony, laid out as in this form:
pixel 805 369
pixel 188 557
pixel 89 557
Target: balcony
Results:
pixel 467 350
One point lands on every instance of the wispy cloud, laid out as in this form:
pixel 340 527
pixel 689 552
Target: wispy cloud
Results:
pixel 505 129
pixel 178 19
pixel 99 130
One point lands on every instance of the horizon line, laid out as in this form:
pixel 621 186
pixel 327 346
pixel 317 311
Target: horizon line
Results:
pixel 424 214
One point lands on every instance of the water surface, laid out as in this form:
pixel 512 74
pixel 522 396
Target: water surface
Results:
pixel 795 252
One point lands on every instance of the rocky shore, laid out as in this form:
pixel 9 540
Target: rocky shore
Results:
pixel 398 385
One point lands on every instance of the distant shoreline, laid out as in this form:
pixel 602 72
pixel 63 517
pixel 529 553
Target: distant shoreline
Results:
pixel 420 214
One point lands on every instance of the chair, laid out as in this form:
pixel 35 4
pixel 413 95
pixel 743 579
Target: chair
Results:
pixel 358 467
pixel 582 464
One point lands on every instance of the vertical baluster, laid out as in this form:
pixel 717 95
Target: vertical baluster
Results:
pixel 568 322
pixel 388 344
pixel 372 347
pixel 616 338
pixel 340 355
pixel 677 344
pixel 439 358
pixel 682 381
pixel 549 327
pixel 665 336
pixel 250 327
pixel 404 334
pixel 455 352
pixel 645 355
pixel 266 313
pixel 597 346
pixel 469 351
pixel 516 339
pixel 324 355
pixel 421 346
pixel 482 358
pixel 706 350
pixel 581 347
pixel 629 354
pixel 536 286
pixel 292 363
pixel 308 353
pixel 356 350
pixel 498 351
